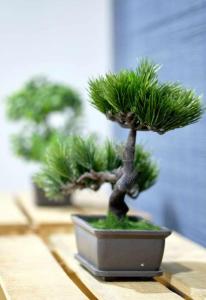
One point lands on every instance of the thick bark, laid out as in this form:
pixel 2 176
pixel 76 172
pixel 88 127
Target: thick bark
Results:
pixel 117 205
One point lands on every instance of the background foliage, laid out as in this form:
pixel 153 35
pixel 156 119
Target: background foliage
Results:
pixel 33 105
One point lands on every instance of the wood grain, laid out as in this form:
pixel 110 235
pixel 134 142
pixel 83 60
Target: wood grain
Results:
pixel 29 272
pixel 63 245
pixel 12 220
pixel 184 266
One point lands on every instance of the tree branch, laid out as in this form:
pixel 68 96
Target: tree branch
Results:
pixel 129 121
pixel 98 179
pixel 99 176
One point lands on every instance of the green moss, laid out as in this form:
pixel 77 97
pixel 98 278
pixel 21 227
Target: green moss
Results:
pixel 127 223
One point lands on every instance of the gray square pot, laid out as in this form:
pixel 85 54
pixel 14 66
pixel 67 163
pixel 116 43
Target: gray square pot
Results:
pixel 119 253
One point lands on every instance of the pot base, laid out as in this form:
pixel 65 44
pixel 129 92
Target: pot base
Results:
pixel 110 275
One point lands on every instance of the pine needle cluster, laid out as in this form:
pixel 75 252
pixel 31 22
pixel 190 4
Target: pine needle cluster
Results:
pixel 67 160
pixel 136 99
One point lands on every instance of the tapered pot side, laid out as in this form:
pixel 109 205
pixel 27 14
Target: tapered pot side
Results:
pixel 119 253
pixel 40 199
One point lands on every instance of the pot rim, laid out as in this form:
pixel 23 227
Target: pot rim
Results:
pixel 81 220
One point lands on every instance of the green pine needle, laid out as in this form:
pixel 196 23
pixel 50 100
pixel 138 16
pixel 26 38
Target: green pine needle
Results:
pixel 68 159
pixel 155 106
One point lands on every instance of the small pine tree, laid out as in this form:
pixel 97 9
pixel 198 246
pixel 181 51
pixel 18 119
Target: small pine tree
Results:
pixel 138 101
pixel 32 106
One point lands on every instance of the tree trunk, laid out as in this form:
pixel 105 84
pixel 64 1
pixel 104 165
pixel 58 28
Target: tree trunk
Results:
pixel 117 206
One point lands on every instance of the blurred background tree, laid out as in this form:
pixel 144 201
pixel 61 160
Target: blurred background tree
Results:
pixel 35 106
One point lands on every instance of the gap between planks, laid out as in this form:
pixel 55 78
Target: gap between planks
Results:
pixel 172 288
pixel 74 277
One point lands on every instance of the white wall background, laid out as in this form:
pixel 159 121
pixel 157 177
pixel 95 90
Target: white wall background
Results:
pixel 68 40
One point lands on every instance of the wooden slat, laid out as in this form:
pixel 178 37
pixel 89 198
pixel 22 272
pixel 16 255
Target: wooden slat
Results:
pixel 63 246
pixel 12 220
pixel 29 272
pixel 46 219
pixel 184 266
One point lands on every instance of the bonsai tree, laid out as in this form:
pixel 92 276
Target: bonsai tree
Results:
pixel 33 106
pixel 136 100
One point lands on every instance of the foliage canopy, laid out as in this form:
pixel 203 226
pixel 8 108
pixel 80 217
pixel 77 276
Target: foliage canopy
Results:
pixel 136 99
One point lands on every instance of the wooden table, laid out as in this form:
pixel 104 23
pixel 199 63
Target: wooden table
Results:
pixel 64 248
pixel 184 267
pixel 32 268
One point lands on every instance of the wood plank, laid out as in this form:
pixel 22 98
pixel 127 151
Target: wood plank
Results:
pixel 12 220
pixel 63 246
pixel 29 272
pixel 184 266
pixel 45 220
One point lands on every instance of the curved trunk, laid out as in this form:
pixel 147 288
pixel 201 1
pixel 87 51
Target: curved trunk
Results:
pixel 117 205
